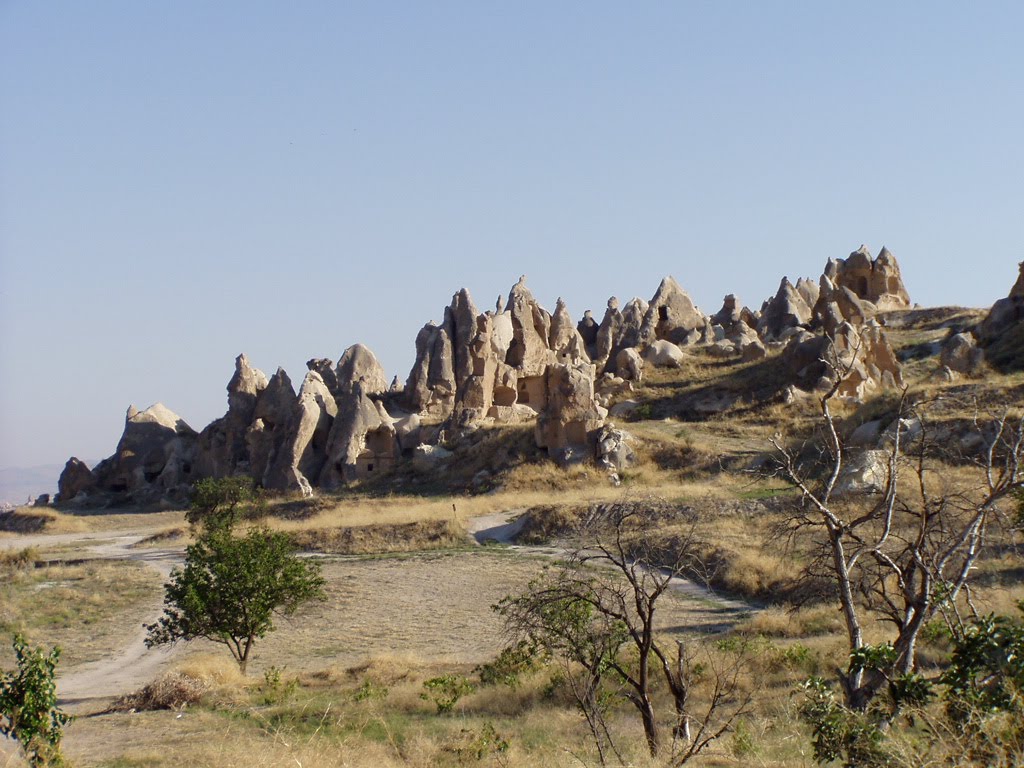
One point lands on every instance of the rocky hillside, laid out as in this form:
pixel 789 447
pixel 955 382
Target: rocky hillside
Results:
pixel 570 382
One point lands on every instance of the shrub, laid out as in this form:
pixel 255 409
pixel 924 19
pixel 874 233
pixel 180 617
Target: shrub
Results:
pixel 445 691
pixel 28 704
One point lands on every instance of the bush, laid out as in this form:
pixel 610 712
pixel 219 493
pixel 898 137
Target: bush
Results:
pixel 28 704
pixel 445 691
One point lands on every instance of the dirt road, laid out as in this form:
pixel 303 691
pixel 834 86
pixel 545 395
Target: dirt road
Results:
pixel 134 665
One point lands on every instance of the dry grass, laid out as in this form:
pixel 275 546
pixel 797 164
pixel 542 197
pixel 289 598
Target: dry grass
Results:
pixel 88 609
pixel 415 536
pixel 39 519
pixel 171 691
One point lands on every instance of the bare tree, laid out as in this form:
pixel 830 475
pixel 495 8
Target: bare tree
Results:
pixel 905 552
pixel 603 600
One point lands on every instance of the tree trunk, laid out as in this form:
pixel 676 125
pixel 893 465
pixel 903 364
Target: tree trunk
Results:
pixel 650 725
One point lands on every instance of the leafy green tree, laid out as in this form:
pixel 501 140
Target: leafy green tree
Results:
pixel 28 704
pixel 223 501
pixel 232 587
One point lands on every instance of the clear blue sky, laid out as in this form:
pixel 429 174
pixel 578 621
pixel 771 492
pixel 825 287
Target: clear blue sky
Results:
pixel 183 181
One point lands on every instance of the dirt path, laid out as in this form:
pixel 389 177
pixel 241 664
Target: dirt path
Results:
pixel 134 665
pixel 502 528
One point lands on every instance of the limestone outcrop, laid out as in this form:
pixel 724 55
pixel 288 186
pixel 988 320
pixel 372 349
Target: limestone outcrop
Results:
pixel 863 353
pixel 516 363
pixel 362 441
pixel 875 280
pixel 787 311
pixel 961 354
pixel 76 481
pixel 1005 314
pixel 671 315
pixel 156 454
pixel 569 423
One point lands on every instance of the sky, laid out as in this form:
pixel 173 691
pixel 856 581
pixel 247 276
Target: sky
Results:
pixel 181 182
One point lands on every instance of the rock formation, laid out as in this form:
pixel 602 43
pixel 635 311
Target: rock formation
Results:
pixel 362 441
pixel 671 315
pixel 76 481
pixel 1005 313
pixel 875 280
pixel 569 423
pixel 515 363
pixel 784 313
pixel 1001 333
pixel 156 454
pixel 300 459
pixel 862 353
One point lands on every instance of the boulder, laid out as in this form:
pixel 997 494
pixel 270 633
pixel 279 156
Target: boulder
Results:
pixel 614 451
pixel 729 314
pixel 76 479
pixel 863 471
pixel 325 368
pixel 722 349
pixel 664 354
pixel 630 365
pixel 587 328
pixel 752 351
pixel 960 353
pixel 623 409
pixel 428 458
pixel 866 435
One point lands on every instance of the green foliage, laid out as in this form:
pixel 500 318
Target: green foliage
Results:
pixel 28 704
pixel 982 691
pixel 513 661
pixel 986 673
pixel 487 743
pixel 370 690
pixel 274 689
pixel 231 588
pixel 445 691
pixel 839 732
pixel 878 658
pixel 222 502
